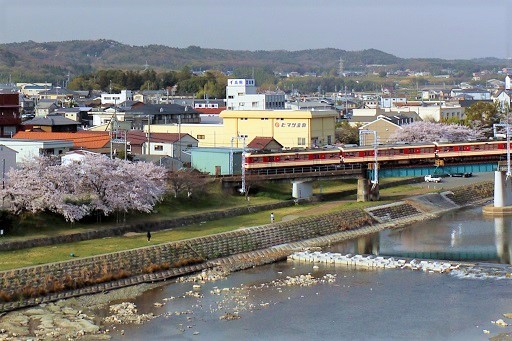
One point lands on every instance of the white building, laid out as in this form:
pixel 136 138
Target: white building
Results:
pixel 7 160
pixel 390 102
pixel 179 148
pixel 241 95
pixel 476 94
pixel 29 149
pixel 125 95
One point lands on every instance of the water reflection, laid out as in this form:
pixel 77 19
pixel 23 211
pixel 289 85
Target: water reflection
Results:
pixel 465 235
pixel 502 236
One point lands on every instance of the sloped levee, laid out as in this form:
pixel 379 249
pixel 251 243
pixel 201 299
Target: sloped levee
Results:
pixel 33 285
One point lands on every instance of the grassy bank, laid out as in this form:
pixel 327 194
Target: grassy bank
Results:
pixel 48 254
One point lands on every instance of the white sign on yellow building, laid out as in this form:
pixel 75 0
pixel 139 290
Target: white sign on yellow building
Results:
pixel 291 128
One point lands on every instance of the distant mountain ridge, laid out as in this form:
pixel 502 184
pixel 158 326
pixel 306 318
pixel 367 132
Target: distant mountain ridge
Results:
pixel 44 61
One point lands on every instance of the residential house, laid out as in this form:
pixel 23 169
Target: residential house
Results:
pixel 116 99
pixel 504 98
pixel 391 101
pixel 265 143
pixel 62 96
pixel 28 149
pixel 98 142
pixel 364 116
pixel 161 114
pixel 10 117
pixel 77 114
pixel 475 93
pixel 51 123
pixel 45 107
pixel 385 126
pixel 32 90
pixel 164 144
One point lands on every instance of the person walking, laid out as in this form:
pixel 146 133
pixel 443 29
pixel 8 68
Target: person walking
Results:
pixel 149 236
pixel 272 217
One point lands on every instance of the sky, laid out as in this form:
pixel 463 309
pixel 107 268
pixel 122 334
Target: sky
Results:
pixel 449 29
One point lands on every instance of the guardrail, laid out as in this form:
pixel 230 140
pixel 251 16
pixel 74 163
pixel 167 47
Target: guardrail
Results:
pixel 308 169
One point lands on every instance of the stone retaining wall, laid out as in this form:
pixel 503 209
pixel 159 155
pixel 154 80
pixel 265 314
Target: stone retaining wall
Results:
pixel 29 286
pixel 472 194
pixel 39 280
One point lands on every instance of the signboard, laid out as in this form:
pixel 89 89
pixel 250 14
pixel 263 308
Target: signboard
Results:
pixel 290 125
pixel 241 82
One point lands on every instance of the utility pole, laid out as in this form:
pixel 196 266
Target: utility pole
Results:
pixel 149 134
pixel 242 190
pixel 363 132
pixel 113 128
pixel 179 136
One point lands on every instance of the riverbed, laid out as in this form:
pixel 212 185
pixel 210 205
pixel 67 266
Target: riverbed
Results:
pixel 281 302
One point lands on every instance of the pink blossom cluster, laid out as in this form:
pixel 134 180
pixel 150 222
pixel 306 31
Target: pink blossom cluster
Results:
pixel 76 190
pixel 435 132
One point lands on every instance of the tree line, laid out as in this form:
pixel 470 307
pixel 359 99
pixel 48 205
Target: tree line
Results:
pixel 212 83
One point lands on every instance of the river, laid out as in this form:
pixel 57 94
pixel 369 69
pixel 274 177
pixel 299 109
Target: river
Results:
pixel 356 305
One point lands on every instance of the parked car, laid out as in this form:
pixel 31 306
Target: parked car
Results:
pixel 431 178
pixel 461 175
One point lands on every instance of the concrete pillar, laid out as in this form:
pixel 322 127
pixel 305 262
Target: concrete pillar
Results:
pixel 302 189
pixel 502 195
pixel 362 189
pixel 499 189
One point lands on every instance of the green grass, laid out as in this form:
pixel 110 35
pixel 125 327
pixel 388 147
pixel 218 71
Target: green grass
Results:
pixel 173 208
pixel 61 252
pixel 28 225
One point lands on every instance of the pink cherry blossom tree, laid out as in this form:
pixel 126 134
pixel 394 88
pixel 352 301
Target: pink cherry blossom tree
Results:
pixel 97 184
pixel 435 132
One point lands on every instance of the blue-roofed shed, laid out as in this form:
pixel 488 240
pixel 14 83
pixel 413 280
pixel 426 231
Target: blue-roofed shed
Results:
pixel 217 161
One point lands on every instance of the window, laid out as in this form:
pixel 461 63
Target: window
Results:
pixel 301 141
pixel 264 119
pixel 329 139
pixel 159 148
pixel 243 119
pixel 231 97
pixel 200 137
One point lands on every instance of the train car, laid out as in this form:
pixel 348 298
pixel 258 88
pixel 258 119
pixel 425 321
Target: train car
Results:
pixel 398 153
pixel 486 149
pixel 302 158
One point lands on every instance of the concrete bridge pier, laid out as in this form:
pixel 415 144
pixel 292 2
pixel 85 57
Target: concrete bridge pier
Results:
pixel 366 190
pixel 362 189
pixel 302 189
pixel 502 195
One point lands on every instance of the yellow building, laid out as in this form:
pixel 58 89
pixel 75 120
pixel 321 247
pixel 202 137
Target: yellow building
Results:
pixel 291 128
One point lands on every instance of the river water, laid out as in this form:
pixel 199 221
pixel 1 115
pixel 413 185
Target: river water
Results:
pixel 357 305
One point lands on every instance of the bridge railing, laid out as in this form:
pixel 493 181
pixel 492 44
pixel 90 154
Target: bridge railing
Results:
pixel 308 169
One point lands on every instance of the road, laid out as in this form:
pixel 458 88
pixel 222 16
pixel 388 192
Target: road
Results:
pixel 449 182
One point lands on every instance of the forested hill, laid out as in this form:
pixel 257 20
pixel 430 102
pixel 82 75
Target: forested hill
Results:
pixel 54 60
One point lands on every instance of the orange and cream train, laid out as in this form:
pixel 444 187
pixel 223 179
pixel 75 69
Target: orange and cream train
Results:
pixel 387 155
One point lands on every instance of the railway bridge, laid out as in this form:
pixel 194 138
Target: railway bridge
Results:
pixel 303 177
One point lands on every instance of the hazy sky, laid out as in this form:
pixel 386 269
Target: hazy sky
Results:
pixel 406 28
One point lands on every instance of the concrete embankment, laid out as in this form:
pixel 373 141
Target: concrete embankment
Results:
pixel 235 250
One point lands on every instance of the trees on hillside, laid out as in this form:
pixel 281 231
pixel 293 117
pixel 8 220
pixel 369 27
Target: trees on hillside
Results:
pixel 212 83
pixel 97 184
pixel 430 132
